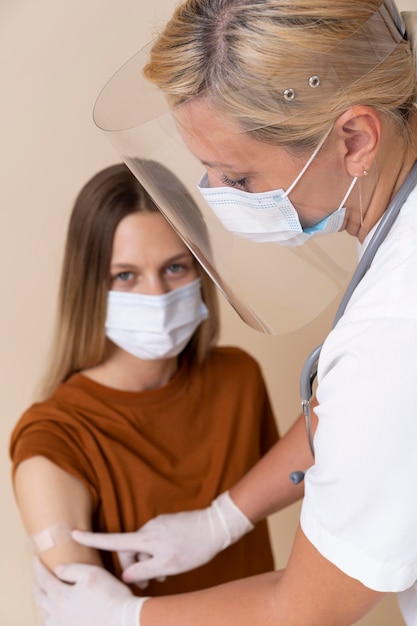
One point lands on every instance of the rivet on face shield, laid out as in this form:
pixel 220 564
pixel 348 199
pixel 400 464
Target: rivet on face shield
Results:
pixel 289 94
pixel 314 81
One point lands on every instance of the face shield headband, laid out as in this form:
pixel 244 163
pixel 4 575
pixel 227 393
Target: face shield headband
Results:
pixel 274 289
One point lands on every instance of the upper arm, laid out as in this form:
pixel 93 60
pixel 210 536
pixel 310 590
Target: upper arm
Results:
pixel 317 593
pixel 310 592
pixel 47 495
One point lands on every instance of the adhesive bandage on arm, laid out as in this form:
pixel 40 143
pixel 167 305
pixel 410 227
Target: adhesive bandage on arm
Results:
pixel 50 537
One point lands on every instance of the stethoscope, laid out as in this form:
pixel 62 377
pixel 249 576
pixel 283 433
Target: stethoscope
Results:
pixel 309 371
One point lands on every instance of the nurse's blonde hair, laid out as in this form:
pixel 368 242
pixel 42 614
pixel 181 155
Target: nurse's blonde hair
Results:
pixel 79 341
pixel 247 55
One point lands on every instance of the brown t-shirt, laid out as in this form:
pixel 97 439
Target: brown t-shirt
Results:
pixel 170 449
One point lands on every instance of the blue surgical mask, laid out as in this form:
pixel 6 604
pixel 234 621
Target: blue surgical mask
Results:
pixel 269 216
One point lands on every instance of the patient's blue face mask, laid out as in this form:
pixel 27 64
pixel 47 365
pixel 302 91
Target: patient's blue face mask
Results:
pixel 270 216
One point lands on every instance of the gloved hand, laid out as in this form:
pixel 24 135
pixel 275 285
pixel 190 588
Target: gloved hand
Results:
pixel 95 598
pixel 175 542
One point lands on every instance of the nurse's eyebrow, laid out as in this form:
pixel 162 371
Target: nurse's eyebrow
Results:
pixel 214 164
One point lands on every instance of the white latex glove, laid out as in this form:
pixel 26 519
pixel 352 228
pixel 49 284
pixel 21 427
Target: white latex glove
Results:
pixel 173 543
pixel 95 598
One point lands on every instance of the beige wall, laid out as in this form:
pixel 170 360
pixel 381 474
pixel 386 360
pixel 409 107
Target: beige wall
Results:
pixel 54 58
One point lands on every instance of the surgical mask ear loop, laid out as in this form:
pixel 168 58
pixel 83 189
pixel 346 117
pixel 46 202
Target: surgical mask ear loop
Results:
pixel 312 157
pixel 347 194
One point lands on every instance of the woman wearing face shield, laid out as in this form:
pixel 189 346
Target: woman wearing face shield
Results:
pixel 308 111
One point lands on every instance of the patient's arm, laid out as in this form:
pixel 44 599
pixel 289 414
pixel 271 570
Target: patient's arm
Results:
pixel 46 496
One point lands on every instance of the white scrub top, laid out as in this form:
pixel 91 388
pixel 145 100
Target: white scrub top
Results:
pixel 360 505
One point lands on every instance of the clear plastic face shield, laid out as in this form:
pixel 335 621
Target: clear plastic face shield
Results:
pixel 275 286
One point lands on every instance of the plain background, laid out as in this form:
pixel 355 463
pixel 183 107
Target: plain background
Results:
pixel 55 56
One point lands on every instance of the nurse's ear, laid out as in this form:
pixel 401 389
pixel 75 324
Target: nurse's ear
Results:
pixel 360 129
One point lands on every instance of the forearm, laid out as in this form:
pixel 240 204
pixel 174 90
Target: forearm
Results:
pixel 310 592
pixel 267 487
pixel 248 602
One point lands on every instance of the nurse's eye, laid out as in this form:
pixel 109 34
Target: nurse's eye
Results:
pixel 240 184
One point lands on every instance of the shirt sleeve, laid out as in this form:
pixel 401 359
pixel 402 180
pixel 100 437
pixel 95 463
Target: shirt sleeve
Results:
pixel 55 438
pixel 360 509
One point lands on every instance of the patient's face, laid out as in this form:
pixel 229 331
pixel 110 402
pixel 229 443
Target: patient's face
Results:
pixel 149 257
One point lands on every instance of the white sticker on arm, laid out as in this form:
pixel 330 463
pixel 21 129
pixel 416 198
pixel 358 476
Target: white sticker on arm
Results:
pixel 50 537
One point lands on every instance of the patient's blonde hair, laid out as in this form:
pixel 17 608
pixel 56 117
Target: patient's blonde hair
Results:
pixel 244 54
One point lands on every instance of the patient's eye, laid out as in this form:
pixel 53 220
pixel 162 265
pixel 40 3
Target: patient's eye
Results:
pixel 123 280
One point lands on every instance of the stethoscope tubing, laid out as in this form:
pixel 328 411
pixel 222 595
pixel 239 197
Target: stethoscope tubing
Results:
pixel 309 370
